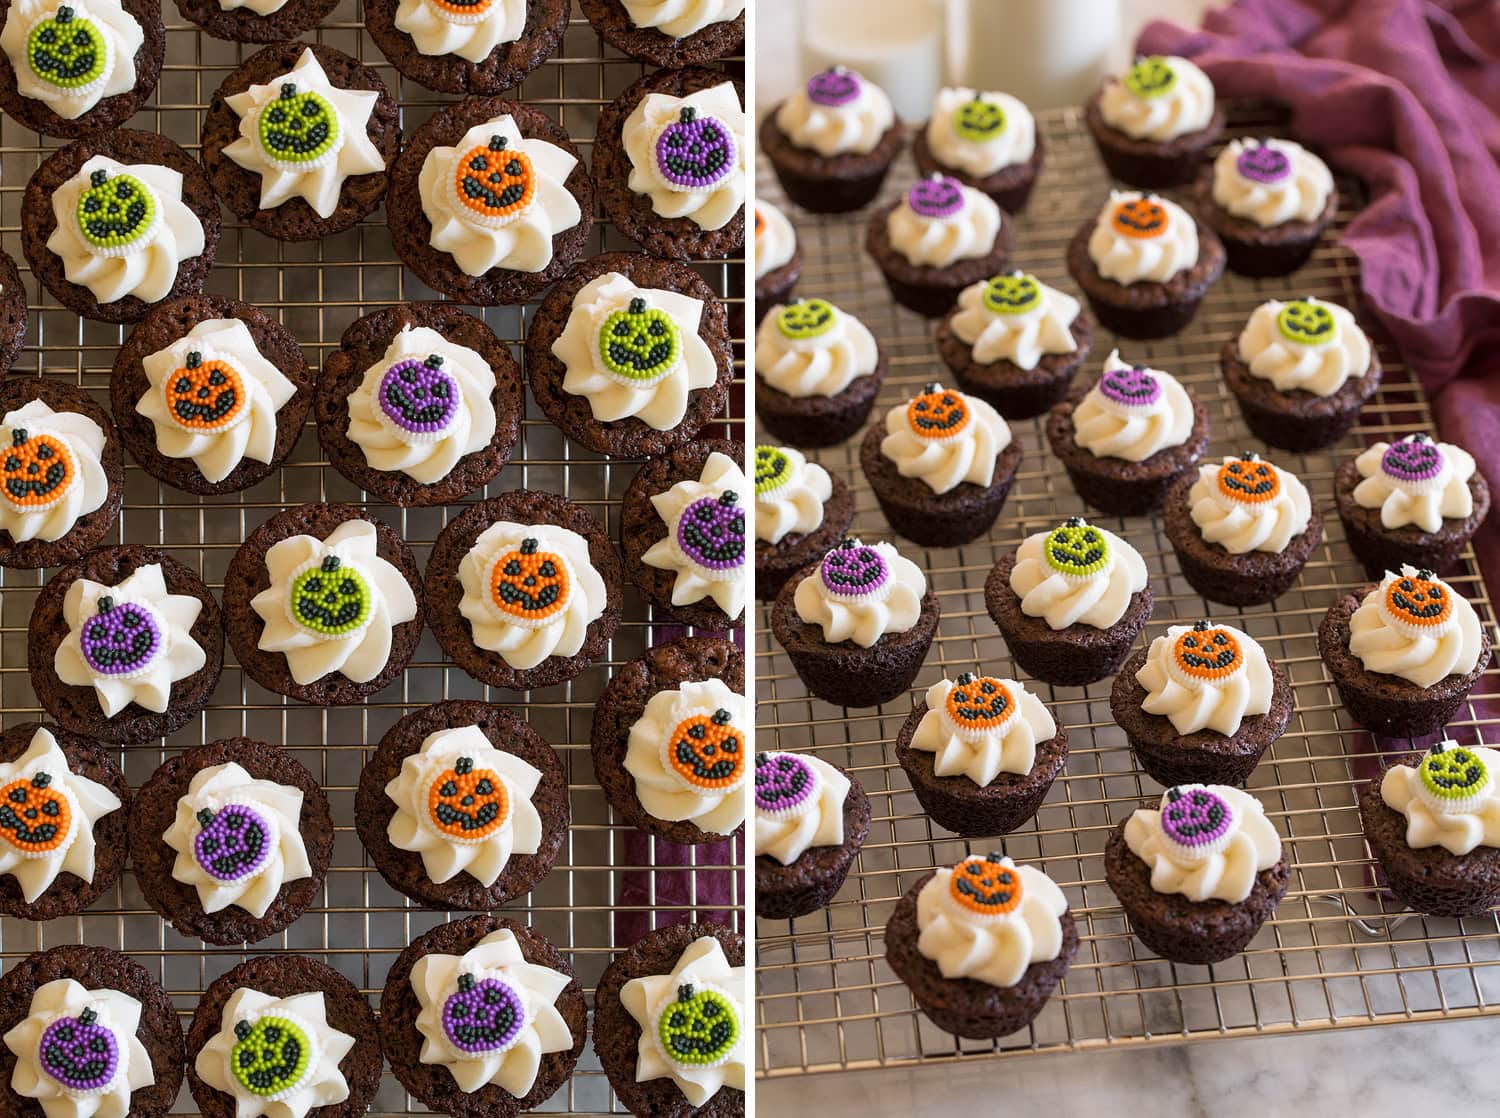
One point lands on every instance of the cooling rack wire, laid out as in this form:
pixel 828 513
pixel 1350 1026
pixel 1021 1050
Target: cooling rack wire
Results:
pixel 610 883
pixel 1337 954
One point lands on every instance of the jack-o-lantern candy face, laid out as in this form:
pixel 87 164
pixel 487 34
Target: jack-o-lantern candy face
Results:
pixel 853 571
pixel 773 469
pixel 805 319
pixel 68 51
pixel 1139 218
pixel 122 638
pixel 1416 462
pixel 205 397
pixel 79 1054
pixel 760 225
pixel 1306 322
pixel 938 414
pixel 235 842
pixel 419 398
pixel 530 587
pixel 706 752
pixel 1453 778
pixel 467 12
pixel 1130 388
pixel 330 599
pixel 1205 654
pixel 978 121
pixel 467 804
pixel 483 1015
pixel 640 345
pixel 1151 77
pixel 936 197
pixel 494 184
pixel 695 152
pixel 711 533
pixel 1076 549
pixel 37 470
pixel 1418 604
pixel 786 786
pixel 700 1028
pixel 1016 293
pixel 36 817
pixel 271 1054
pixel 117 215
pixel 979 704
pixel 983 887
pixel 1263 164
pixel 1195 820
pixel 833 88
pixel 298 129
pixel 1248 480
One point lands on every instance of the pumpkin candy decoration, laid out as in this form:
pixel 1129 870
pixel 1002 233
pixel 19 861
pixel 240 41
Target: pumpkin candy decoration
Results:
pixel 978 120
pixel 699 1028
pixel 1139 218
pixel 467 12
pixel 36 817
pixel 706 752
pixel 1130 388
pixel 694 153
pixel 1307 322
pixel 1415 462
pixel 1195 821
pixel 760 224
pixel 530 587
pixel 1418 605
pixel 271 1055
pixel 1151 77
pixel 467 805
pixel 37 471
pixel 299 130
pixel 1076 549
pixel 116 215
pixel 786 786
pixel 122 638
pixel 805 319
pixel 494 184
pixel 976 705
pixel 985 887
pixel 79 1054
pixel 936 197
pixel 1016 293
pixel 484 1015
pixel 331 599
pixel 1205 654
pixel 234 842
pixel 1263 164
pixel 711 534
pixel 852 571
pixel 1452 779
pixel 418 398
pixel 833 87
pixel 68 51
pixel 938 414
pixel 206 397
pixel 1248 480
pixel 773 469
pixel 640 345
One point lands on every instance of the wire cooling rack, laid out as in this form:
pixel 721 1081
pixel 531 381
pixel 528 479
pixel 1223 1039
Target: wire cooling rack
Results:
pixel 610 882
pixel 1336 953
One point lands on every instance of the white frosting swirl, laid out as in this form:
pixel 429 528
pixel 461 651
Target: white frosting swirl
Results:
pixel 1226 874
pixel 1460 826
pixel 994 949
pixel 121 36
pixel 775 239
pixel 660 786
pixel 678 19
pixel 513 1068
pixel 707 208
pixel 320 1084
pixel 521 240
pixel 426 456
pixel 1014 143
pixel 817 821
pixel 1098 600
pixel 524 641
pixel 795 504
pixel 472 33
pixel 1107 429
pixel 1423 654
pixel 1130 259
pixel 1320 369
pixel 1241 526
pixel 86 492
pixel 280 807
pixel 1022 339
pixel 248 432
pixel 726 586
pixel 938 242
pixel 853 128
pixel 1300 196
pixel 88 801
pixel 944 464
pixel 1425 503
pixel 660 403
pixel 318 181
pixel 823 365
pixel 484 854
pixel 702 964
pixel 112 1010
pixel 1192 702
pixel 145 268
pixel 894 608
pixel 983 753
pixel 1188 106
pixel 360 654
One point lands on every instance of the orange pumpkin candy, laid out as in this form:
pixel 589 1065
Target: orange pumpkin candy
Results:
pixel 467 804
pixel 1419 601
pixel 1248 480
pixel 707 752
pixel 529 586
pixel 983 885
pixel 1207 653
pixel 206 396
pixel 35 817
pixel 495 183
pixel 37 470
pixel 1140 218
pixel 938 413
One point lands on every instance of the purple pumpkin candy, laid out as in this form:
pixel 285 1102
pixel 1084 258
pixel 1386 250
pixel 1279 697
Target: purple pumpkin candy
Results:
pixel 233 844
pixel 79 1053
pixel 695 152
pixel 418 397
pixel 1413 460
pixel 711 532
pixel 785 784
pixel 1134 387
pixel 483 1016
pixel 1195 818
pixel 120 638
pixel 1263 164
pixel 936 197
pixel 853 570
pixel 832 88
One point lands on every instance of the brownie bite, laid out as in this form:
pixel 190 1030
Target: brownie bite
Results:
pixel 12 312
pixel 984 139
pixel 1269 201
pixel 666 35
pixel 466 47
pixel 818 370
pixel 811 818
pixel 242 24
pixel 801 512
pixel 1154 124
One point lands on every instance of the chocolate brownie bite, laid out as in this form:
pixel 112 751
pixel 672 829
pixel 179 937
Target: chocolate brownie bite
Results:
pixel 521 218
pixel 231 840
pixel 667 35
pixel 857 624
pixel 49 871
pixel 82 71
pixel 420 405
pixel 778 258
pixel 1269 201
pixel 801 512
pixel 12 312
pixel 671 1070
pixel 267 1009
pixel 70 1003
pixel 682 533
pixel 670 743
pixel 482 1018
pixel 63 473
pixel 323 604
pixel 241 22
pixel 125 645
pixel 463 806
pixel 524 590
pixel 664 372
pixel 119 221
pixel 467 46
pixel 1154 124
pixel 299 140
pixel 1020 915
pixel 1403 654
pixel 811 818
pixel 941 466
pixel 1070 602
pixel 818 370
pixel 984 139
pixel 1116 462
pixel 210 394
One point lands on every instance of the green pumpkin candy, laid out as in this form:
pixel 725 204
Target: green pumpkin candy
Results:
pixel 1151 77
pixel 640 345
pixel 297 128
pixel 773 469
pixel 1452 778
pixel 331 599
pixel 806 318
pixel 115 214
pixel 1307 323
pixel 978 120
pixel 1016 293
pixel 1076 549
pixel 271 1056
pixel 67 51
pixel 700 1028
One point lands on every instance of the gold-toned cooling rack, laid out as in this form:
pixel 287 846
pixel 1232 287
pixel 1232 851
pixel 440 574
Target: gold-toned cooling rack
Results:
pixel 610 882
pixel 1336 953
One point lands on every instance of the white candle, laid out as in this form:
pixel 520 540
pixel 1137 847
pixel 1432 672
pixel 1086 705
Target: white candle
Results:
pixel 897 44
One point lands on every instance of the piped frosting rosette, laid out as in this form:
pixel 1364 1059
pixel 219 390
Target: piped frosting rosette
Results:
pixel 1205 842
pixel 838 112
pixel 687 154
pixel 1142 237
pixel 237 839
pixel 705 540
pixel 775 239
pixel 53 471
pixel 790 493
pixel 980 132
pixel 498 198
pixel 634 351
pixel 1415 481
pixel 812 348
pixel 1159 98
pixel 677 19
pixel 77 1053
pixel 488 1015
pixel 129 642
pixel 1077 574
pixel 62 840
pixel 123 229
pixel 1304 344
pixel 1449 799
pixel 1271 182
pixel 694 1030
pixel 1414 625
pixel 689 752
pixel 799 804
pixel 247 1058
pixel 423 406
pixel 1132 412
pixel 464 806
pixel 1247 504
pixel 1206 677
pixel 470 29
pixel 212 397
pixel 940 221
pixel 981 726
pixel 332 604
pixel 989 919
pixel 530 592
pixel 861 593
pixel 944 438
pixel 1015 317
pixel 71 54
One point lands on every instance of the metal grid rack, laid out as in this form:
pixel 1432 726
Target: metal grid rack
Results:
pixel 610 882
pixel 1336 954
